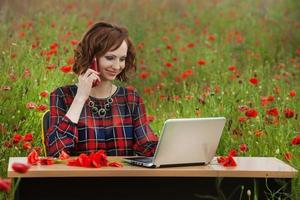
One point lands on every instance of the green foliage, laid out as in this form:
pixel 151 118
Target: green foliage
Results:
pixel 260 38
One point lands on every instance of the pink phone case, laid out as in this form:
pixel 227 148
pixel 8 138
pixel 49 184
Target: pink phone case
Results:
pixel 94 66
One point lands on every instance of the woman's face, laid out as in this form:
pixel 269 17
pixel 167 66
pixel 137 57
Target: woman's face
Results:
pixel 112 62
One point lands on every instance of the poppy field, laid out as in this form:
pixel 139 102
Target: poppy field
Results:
pixel 237 59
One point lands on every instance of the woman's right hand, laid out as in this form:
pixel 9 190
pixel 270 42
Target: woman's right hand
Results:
pixel 85 82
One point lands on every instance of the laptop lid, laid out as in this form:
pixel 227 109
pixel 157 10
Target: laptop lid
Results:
pixel 188 141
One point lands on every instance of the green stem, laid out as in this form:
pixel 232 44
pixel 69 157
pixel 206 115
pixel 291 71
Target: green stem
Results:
pixel 16 186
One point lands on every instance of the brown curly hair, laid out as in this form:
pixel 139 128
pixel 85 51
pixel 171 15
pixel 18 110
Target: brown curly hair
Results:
pixel 99 39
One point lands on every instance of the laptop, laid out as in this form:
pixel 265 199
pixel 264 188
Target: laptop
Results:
pixel 185 141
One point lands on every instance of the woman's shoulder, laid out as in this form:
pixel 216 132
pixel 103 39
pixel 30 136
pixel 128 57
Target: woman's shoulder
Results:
pixel 67 90
pixel 130 93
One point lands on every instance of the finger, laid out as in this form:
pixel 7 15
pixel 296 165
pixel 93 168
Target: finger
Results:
pixel 93 77
pixel 89 73
pixel 93 71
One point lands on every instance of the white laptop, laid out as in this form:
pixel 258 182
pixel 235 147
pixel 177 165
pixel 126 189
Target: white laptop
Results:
pixel 187 141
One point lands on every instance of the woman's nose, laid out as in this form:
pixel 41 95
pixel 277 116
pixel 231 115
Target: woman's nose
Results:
pixel 116 64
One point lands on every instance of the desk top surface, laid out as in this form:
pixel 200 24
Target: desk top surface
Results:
pixel 246 167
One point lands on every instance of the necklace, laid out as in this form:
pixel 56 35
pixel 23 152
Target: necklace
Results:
pixel 101 111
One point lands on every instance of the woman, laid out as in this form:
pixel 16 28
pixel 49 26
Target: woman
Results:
pixel 95 114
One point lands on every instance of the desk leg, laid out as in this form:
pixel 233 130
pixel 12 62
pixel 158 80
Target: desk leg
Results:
pixel 147 188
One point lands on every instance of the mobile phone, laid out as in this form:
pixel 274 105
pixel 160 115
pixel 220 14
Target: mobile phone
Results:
pixel 94 66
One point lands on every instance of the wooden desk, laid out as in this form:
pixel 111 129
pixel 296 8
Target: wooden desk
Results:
pixel 60 181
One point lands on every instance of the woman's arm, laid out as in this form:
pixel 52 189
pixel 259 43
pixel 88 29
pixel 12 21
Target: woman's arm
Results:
pixel 62 132
pixel 145 139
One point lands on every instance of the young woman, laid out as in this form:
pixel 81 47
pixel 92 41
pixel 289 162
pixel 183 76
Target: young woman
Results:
pixel 95 114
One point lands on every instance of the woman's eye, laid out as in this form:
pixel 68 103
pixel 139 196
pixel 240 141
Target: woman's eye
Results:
pixel 122 59
pixel 109 58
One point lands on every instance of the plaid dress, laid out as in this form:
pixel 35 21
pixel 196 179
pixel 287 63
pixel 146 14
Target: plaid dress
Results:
pixel 124 131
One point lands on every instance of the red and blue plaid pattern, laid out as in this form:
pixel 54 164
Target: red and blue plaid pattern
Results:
pixel 124 131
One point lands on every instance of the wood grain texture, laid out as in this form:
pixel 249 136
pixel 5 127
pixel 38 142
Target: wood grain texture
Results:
pixel 246 167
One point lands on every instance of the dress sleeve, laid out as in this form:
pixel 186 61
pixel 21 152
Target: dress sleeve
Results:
pixel 145 139
pixel 62 133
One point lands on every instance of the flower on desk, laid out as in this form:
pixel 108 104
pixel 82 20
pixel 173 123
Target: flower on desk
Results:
pixel 46 161
pixel 33 157
pixel 94 159
pixel 227 161
pixel 20 167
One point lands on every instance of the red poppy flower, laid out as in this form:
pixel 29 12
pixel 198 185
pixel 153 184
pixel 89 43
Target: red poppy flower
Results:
pixel 22 34
pixel 17 138
pixel 243 108
pixel 63 155
pixel 50 67
pixel 8 144
pixel 288 113
pixel 191 45
pixel 44 94
pixel 103 158
pixel 273 112
pixel 54 45
pixel 232 68
pixel 148 90
pixel 251 113
pixel 5 185
pixel 296 140
pixel 74 42
pixel 226 161
pixel 115 164
pixel 229 162
pixel 263 101
pixel 30 105
pixel 20 167
pixel 271 98
pixel 33 158
pixel 41 107
pixel 150 118
pixel 168 64
pixel 243 147
pixel 201 62
pixel 292 93
pixel 169 47
pixel 242 119
pixel 232 152
pixel 70 61
pixel 211 37
pixel 253 81
pixel 46 161
pixel 26 145
pixel 73 162
pixel 144 75
pixel 95 160
pixel 288 155
pixel 27 73
pixel 84 160
pixel 28 137
pixel 259 133
pixel 66 68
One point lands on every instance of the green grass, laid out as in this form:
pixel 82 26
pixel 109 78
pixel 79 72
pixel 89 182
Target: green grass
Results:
pixel 260 38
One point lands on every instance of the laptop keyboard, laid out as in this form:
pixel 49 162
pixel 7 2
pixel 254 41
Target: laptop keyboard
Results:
pixel 145 160
pixel 142 159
